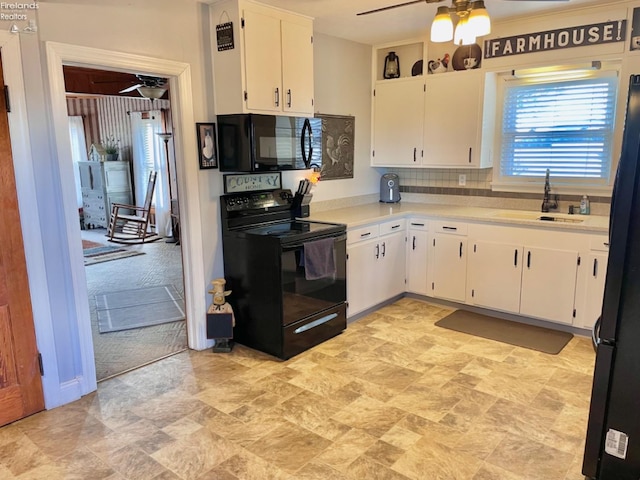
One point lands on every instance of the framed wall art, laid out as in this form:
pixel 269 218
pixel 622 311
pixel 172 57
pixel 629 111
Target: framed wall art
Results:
pixel 207 153
pixel 338 133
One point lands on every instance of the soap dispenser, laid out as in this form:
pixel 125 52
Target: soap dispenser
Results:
pixel 584 205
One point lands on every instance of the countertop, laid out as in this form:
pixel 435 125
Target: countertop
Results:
pixel 378 212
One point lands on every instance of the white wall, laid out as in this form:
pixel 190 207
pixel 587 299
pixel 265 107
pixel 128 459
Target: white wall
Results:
pixel 177 31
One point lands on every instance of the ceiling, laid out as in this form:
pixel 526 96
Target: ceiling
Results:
pixel 338 17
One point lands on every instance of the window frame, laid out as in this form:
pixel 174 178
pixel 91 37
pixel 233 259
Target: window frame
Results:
pixel 599 186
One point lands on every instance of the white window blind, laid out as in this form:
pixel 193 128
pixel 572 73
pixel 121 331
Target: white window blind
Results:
pixel 564 126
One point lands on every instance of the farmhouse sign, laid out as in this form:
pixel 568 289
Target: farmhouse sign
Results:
pixel 594 34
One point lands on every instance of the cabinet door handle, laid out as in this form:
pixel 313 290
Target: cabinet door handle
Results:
pixel 289 98
pixel 414 242
pixel 595 267
pixel 460 249
pixel 415 153
pixel 515 258
pixel 277 97
pixel 470 151
pixel 384 248
pixel 529 259
pixel 377 250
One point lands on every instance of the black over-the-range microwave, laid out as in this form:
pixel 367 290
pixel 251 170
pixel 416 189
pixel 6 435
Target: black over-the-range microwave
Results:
pixel 253 143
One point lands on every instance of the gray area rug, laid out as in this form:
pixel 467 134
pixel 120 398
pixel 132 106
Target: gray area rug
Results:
pixel 140 307
pixel 506 331
pixel 107 253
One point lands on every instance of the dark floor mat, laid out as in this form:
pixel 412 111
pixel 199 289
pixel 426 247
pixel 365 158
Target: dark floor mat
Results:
pixel 506 331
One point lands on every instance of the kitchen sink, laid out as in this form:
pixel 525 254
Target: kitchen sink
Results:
pixel 527 215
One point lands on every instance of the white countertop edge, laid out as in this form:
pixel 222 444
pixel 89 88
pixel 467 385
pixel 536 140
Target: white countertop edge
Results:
pixel 377 212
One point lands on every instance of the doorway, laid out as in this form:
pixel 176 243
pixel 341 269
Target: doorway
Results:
pixel 127 285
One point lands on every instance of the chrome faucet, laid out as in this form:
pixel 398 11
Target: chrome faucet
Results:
pixel 547 203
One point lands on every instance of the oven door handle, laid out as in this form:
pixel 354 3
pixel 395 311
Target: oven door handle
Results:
pixel 315 323
pixel 293 246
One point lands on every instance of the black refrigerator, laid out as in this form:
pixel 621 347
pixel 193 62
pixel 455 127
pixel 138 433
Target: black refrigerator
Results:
pixel 612 448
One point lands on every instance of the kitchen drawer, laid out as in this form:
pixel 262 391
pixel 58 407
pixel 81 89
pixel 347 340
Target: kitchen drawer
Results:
pixel 362 233
pixel 454 228
pixel 600 244
pixel 418 224
pixel 393 226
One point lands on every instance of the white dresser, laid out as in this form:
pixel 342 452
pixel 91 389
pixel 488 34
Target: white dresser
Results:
pixel 103 184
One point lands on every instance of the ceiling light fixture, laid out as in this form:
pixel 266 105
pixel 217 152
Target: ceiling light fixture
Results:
pixel 151 92
pixel 473 22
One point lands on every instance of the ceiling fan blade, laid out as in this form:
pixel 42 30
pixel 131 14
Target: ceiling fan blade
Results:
pixel 131 89
pixel 391 7
pixel 536 0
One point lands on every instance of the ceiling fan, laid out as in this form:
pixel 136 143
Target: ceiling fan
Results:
pixel 147 83
pixel 458 4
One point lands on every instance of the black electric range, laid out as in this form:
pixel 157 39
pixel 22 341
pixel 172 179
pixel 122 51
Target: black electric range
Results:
pixel 279 309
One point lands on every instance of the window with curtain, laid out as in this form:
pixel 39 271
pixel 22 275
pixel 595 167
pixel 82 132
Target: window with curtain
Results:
pixel 566 126
pixel 149 155
pixel 78 151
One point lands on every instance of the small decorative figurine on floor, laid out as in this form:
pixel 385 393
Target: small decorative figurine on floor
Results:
pixel 220 318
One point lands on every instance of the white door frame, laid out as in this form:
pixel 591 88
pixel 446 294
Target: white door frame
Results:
pixel 29 214
pixel 179 75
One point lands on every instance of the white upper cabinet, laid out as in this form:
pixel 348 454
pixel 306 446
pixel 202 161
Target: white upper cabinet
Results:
pixel 453 120
pixel 269 70
pixel 397 124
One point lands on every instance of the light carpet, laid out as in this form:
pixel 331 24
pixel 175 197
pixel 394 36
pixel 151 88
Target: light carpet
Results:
pixel 140 307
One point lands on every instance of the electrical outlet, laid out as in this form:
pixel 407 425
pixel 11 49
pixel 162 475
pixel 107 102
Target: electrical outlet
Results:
pixel 462 179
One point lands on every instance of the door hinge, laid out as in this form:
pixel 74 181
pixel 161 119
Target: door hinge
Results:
pixel 347 256
pixel 433 286
pixel 40 364
pixel 374 92
pixel 578 261
pixel 246 96
pixel 312 39
pixel 242 23
pixel 312 102
pixel 473 293
pixel 574 313
pixel 373 153
pixel 6 99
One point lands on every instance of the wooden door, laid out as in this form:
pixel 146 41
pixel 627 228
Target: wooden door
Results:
pixel 20 382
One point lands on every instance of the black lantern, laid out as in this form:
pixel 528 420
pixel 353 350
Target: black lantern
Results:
pixel 391 66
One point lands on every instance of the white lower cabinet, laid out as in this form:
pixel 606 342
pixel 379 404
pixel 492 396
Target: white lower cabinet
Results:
pixel 417 247
pixel 375 265
pixel 495 275
pixel 448 262
pixel 549 284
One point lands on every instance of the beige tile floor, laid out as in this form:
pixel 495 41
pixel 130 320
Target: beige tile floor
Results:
pixel 394 397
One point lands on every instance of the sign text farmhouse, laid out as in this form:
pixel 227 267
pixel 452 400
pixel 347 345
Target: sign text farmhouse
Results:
pixel 607 32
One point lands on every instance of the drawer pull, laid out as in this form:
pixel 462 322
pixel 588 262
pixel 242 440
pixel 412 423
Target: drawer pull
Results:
pixel 395 226
pixel 451 229
pixel 315 323
pixel 417 224
pixel 364 235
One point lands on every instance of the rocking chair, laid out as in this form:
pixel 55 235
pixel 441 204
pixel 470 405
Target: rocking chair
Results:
pixel 133 227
